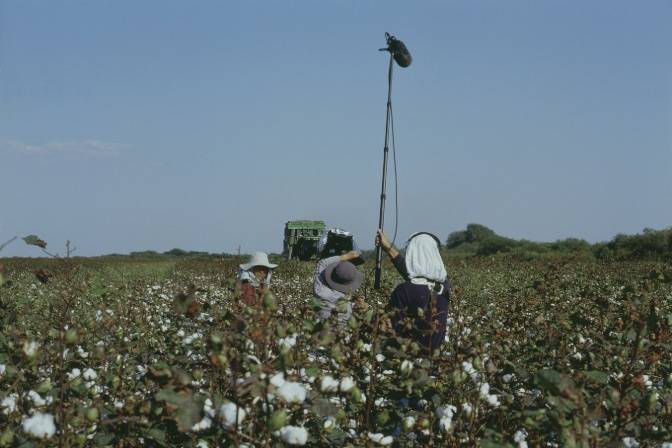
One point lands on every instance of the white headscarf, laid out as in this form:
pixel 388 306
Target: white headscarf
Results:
pixel 423 261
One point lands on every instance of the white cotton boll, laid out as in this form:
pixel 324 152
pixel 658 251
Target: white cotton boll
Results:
pixel 406 367
pixel 74 373
pixel 446 411
pixel 181 333
pixel 467 408
pixel 40 425
pixel 630 442
pixel 347 384
pixel 30 348
pixel 380 357
pixel 208 409
pixel 203 444
pixel 328 384
pixel 278 379
pixel 82 353
pixel 329 422
pixel 36 398
pixel 493 400
pixel 293 435
pixel 228 412
pixel 204 424
pixel 519 437
pixel 647 381
pixel 287 342
pixel 366 348
pixel 469 369
pixel 9 403
pixel 445 415
pixel 408 422
pixel 292 392
pixel 508 377
pixel 380 439
pixel 90 375
pixel 2 369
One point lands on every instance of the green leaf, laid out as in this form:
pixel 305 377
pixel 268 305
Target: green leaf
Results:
pixel 597 377
pixel 188 415
pixel 157 435
pixel 102 439
pixel 170 396
pixel 34 240
pixel 324 408
pixel 555 382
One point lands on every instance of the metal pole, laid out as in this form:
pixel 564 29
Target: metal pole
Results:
pixel 381 216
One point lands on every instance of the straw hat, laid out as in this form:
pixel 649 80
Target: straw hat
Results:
pixel 258 259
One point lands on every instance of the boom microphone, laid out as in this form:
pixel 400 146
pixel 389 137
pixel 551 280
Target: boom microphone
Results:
pixel 399 51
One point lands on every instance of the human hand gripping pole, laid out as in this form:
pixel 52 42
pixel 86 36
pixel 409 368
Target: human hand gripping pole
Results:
pixel 400 54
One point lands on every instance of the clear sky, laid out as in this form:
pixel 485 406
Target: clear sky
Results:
pixel 204 125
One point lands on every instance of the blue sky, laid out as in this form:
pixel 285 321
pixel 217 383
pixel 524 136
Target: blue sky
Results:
pixel 206 125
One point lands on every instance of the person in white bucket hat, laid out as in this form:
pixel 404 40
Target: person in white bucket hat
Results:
pixel 254 278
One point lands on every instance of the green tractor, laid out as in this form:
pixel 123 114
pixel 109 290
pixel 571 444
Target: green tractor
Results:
pixel 301 239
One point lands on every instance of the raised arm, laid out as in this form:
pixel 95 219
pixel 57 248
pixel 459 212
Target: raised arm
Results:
pixel 395 256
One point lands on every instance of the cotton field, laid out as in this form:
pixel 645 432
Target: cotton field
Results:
pixel 155 353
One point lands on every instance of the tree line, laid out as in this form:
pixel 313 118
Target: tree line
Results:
pixel 479 240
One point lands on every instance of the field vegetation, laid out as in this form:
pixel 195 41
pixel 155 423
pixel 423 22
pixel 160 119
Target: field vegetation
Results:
pixel 131 351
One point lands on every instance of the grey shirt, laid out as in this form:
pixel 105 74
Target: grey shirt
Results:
pixel 329 297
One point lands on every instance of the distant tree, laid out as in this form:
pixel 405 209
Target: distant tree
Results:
pixel 456 239
pixel 145 253
pixel 474 233
pixel 176 252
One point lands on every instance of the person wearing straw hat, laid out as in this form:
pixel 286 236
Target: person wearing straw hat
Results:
pixel 335 280
pixel 423 296
pixel 254 278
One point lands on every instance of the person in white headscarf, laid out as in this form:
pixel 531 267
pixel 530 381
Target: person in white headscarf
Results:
pixel 423 296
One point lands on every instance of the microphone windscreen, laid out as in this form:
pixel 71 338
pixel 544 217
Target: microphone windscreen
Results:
pixel 400 53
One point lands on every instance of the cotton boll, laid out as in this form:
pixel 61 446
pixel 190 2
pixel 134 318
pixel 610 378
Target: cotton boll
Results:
pixel 227 413
pixel 445 415
pixel 347 384
pixel 328 384
pixel 519 437
pixel 90 375
pixel 293 435
pixel 40 425
pixel 278 379
pixel 406 367
pixel 36 398
pixel 205 423
pixel 329 423
pixel 380 439
pixel 9 403
pixel 292 392
pixel 30 349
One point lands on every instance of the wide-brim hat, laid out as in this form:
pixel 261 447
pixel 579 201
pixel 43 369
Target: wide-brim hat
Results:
pixel 258 259
pixel 343 276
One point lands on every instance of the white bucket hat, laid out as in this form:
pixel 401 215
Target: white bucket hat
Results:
pixel 258 259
